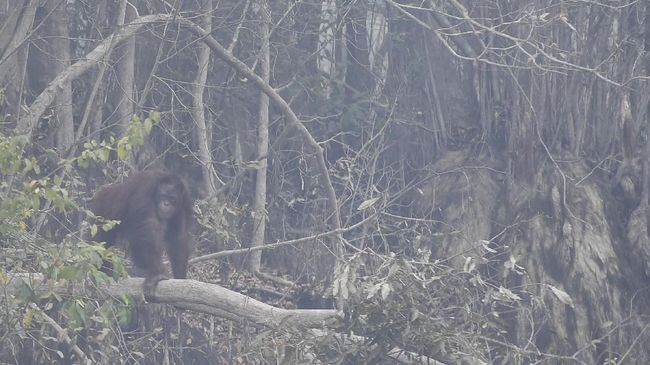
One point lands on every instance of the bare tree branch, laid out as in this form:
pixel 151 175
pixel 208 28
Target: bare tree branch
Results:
pixel 45 98
pixel 204 298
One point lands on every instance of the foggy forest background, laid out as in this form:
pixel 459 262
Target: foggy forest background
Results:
pixel 466 182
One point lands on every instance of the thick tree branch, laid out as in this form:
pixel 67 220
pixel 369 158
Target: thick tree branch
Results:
pixel 215 300
pixel 204 298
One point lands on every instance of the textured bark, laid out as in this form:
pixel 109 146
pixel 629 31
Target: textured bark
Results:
pixel 198 111
pixel 204 298
pixel 463 198
pixel 93 111
pixel 326 60
pixel 126 69
pixel 259 205
pixel 58 47
pixel 14 33
pixel 565 241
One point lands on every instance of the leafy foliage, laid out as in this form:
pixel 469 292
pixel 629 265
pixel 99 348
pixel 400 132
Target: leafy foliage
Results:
pixel 27 197
pixel 417 305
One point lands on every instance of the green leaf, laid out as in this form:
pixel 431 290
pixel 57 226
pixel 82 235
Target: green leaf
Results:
pixel 104 154
pixel 69 273
pixel 99 276
pixel 28 317
pixel 155 116
pixel 109 225
pixel 50 194
pixel 4 278
pixel 121 151
pixel 28 165
pixel 148 124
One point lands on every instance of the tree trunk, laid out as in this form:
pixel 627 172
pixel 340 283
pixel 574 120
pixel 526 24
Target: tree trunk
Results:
pixel 93 110
pixel 204 141
pixel 126 69
pixel 56 27
pixel 259 208
pixel 17 23
pixel 326 43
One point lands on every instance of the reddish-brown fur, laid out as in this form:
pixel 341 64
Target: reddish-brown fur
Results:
pixel 135 204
